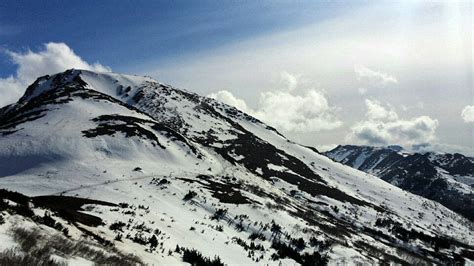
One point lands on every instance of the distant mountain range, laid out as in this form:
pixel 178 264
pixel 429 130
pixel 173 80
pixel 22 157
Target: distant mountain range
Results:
pixel 442 177
pixel 106 168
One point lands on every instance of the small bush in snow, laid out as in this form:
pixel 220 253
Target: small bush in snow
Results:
pixel 219 214
pixel 153 241
pixel 190 195
pixel 117 226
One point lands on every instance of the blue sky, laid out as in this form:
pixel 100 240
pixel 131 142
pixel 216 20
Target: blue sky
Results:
pixel 128 33
pixel 322 72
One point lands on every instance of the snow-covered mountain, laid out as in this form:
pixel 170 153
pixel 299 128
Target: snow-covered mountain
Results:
pixel 442 177
pixel 141 172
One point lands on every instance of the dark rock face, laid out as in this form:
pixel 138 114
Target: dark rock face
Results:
pixel 426 174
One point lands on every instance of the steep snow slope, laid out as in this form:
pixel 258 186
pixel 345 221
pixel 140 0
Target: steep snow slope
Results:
pixel 190 170
pixel 69 132
pixel 445 178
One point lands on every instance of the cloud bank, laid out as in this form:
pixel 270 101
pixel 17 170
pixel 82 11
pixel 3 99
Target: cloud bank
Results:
pixel 288 110
pixel 467 114
pixel 53 58
pixel 416 50
pixel 383 127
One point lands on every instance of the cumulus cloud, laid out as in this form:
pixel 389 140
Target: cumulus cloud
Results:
pixel 290 80
pixel 370 79
pixel 228 98
pixel 377 77
pixel 308 111
pixel 377 112
pixel 467 114
pixel 425 54
pixel 383 126
pixel 10 90
pixel 53 58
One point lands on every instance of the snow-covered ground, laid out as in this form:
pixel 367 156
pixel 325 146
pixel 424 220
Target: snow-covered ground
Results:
pixel 131 140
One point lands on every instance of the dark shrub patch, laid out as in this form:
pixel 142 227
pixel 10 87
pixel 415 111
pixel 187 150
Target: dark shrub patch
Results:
pixel 153 241
pixel 258 236
pixel 117 226
pixel 14 196
pixel 190 195
pixel 219 214
pixel 286 251
pixel 195 258
pixel 23 210
pixel 123 205
pixel 299 243
pixel 12 257
pixel 69 208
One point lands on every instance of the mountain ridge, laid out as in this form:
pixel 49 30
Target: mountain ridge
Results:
pixel 187 169
pixel 443 177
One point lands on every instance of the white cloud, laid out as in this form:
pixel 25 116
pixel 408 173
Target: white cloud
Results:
pixel 11 89
pixel 228 98
pixel 443 148
pixel 285 110
pixel 377 78
pixel 425 47
pixel 467 114
pixel 300 113
pixel 383 126
pixel 290 80
pixel 377 112
pixel 54 58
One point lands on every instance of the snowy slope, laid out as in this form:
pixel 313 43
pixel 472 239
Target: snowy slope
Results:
pixel 445 178
pixel 190 170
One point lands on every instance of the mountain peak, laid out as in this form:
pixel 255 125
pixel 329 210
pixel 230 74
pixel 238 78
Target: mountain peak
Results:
pixel 161 163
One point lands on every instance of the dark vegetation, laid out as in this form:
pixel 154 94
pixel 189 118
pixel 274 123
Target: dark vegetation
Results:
pixel 11 257
pixel 257 235
pixel 226 192
pixel 35 252
pixel 288 251
pixel 190 195
pixel 251 246
pixel 195 257
pixel 219 214
pixel 160 182
pixel 117 226
pixel 438 243
pixel 69 208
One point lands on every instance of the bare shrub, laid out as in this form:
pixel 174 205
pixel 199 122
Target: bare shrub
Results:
pixel 41 247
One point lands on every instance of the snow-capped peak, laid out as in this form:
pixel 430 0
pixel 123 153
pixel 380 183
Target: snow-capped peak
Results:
pixel 186 170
